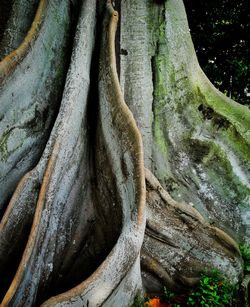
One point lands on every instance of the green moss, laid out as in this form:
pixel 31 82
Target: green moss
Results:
pixel 160 89
pixel 160 74
pixel 238 115
pixel 11 140
pixel 158 108
pixel 222 176
pixel 238 144
pixel 160 138
pixel 178 103
pixel 234 128
pixel 3 145
pixel 215 153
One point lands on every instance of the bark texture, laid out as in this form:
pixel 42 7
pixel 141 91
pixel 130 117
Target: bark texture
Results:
pixel 18 22
pixel 130 175
pixel 31 80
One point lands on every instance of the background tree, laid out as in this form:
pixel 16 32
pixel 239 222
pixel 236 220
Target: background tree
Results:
pixel 131 157
pixel 219 31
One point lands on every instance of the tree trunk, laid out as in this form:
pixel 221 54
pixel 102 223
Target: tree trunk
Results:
pixel 126 171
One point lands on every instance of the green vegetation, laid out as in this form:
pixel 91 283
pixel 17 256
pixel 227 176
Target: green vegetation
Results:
pixel 220 32
pixel 140 302
pixel 245 252
pixel 212 291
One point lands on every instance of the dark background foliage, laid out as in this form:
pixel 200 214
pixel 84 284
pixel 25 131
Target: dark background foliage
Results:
pixel 220 30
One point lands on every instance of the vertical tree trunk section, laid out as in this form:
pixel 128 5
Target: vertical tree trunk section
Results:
pixel 31 83
pixel 200 138
pixel 119 191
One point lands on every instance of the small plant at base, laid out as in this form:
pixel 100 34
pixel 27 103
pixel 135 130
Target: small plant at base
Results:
pixel 171 297
pixel 168 295
pixel 245 252
pixel 140 302
pixel 212 291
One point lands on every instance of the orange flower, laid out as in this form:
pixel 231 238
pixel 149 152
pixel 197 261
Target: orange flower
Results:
pixel 156 302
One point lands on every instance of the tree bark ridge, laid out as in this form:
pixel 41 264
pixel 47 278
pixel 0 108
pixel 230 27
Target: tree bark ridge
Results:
pixel 8 64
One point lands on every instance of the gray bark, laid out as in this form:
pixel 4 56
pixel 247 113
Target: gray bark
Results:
pixel 87 223
pixel 30 90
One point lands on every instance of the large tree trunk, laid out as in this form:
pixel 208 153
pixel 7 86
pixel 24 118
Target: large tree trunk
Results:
pixel 138 179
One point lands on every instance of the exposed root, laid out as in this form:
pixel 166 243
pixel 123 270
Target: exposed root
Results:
pixel 16 221
pixel 13 290
pixel 125 120
pixel 14 199
pixel 180 241
pixel 116 159
pixel 226 240
pixel 30 93
pixel 151 265
pixel 183 208
pixel 153 231
pixel 177 283
pixel 186 209
pixel 60 223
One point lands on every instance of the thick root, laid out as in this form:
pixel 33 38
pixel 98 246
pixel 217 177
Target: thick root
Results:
pixel 119 192
pixel 31 80
pixel 181 244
